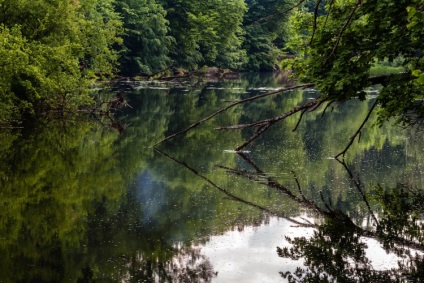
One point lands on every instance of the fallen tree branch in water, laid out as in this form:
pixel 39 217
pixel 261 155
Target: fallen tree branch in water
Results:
pixel 264 125
pixel 231 196
pixel 200 122
pixel 329 211
pixel 265 122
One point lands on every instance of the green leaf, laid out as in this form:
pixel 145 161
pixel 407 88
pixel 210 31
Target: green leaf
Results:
pixel 420 79
pixel 416 73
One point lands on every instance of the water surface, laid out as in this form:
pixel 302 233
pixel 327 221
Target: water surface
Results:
pixel 91 200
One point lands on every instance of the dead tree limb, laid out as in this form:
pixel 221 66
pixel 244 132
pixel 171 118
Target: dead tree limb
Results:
pixel 300 120
pixel 299 188
pixel 265 122
pixel 314 28
pixel 264 125
pixel 325 109
pixel 357 131
pixel 198 123
pixel 229 195
pixel 258 133
pixel 329 212
pixel 264 19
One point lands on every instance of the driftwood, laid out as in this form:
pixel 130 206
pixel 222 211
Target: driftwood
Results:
pixel 263 125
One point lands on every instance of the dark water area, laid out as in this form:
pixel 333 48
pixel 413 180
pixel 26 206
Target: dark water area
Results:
pixel 90 200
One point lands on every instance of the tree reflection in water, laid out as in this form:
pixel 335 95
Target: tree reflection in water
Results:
pixel 337 250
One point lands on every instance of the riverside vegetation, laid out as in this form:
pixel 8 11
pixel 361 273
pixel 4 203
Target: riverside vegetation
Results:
pixel 52 51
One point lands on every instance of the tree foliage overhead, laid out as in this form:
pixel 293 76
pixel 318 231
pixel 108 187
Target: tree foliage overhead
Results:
pixel 342 45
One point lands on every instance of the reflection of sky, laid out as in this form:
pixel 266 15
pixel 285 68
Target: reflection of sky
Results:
pixel 151 197
pixel 251 255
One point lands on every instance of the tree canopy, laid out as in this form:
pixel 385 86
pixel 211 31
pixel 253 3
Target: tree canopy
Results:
pixel 340 47
pixel 53 50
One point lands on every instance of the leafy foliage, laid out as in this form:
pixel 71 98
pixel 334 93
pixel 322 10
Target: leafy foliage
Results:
pixel 206 32
pixel 145 41
pixel 265 39
pixel 347 41
pixel 51 51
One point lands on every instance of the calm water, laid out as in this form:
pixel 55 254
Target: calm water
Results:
pixel 90 201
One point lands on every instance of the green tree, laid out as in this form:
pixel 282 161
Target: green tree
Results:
pixel 51 51
pixel 264 25
pixel 145 41
pixel 206 32
pixel 347 41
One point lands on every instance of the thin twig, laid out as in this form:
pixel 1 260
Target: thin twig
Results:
pixel 278 14
pixel 265 122
pixel 258 133
pixel 198 123
pixel 325 109
pixel 250 162
pixel 358 130
pixel 300 119
pixel 314 28
pixel 269 122
pixel 299 188
pixel 339 36
pixel 358 185
pixel 229 195
pixel 325 203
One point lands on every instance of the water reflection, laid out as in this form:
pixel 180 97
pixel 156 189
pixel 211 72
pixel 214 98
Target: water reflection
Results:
pixel 81 202
pixel 337 249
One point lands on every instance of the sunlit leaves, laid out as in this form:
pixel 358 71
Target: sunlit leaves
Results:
pixel 351 37
pixel 52 50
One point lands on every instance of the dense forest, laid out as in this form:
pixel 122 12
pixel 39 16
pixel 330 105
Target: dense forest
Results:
pixel 52 51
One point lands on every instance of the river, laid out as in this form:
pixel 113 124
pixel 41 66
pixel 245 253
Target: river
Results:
pixel 90 199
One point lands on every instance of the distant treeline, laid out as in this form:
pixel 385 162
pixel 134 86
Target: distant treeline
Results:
pixel 51 50
pixel 190 34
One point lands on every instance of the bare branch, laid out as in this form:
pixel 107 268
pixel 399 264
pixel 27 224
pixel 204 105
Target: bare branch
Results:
pixel 299 188
pixel 314 28
pixel 300 119
pixel 229 195
pixel 265 122
pixel 198 123
pixel 258 133
pixel 325 109
pixel 358 185
pixel 264 19
pixel 358 130
pixel 325 203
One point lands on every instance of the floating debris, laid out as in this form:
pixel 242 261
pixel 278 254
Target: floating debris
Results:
pixel 235 151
